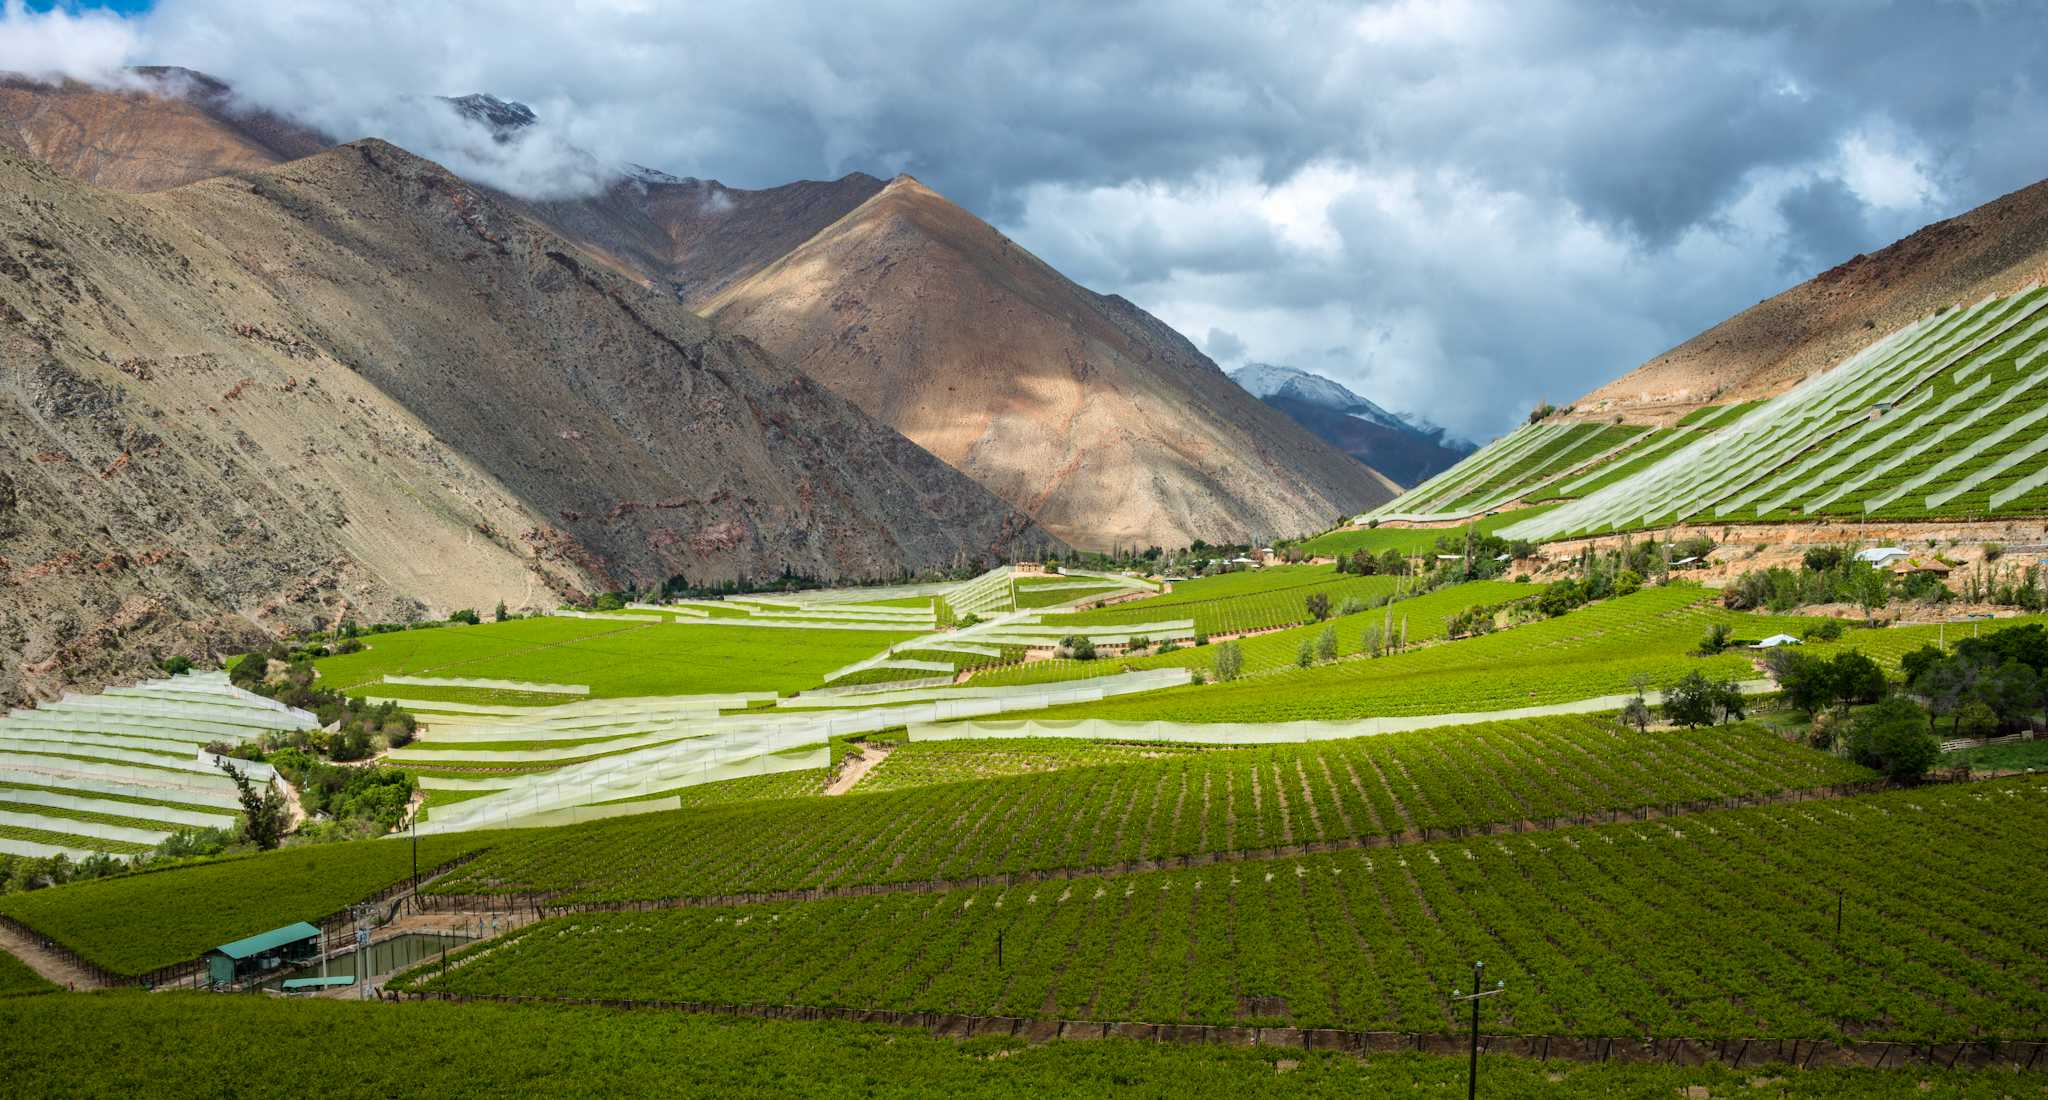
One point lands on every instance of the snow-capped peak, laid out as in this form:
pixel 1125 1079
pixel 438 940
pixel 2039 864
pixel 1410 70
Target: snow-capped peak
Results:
pixel 1270 380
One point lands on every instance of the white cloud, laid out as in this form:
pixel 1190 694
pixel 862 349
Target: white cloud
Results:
pixel 85 45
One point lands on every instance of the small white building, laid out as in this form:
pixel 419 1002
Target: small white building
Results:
pixel 1881 556
pixel 1776 640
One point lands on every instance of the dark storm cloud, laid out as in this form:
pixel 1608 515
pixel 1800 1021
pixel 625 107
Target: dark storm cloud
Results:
pixel 1457 208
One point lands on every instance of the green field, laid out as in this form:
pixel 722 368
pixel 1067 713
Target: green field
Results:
pixel 16 979
pixel 170 1045
pixel 1411 541
pixel 1943 946
pixel 1179 804
pixel 133 924
pixel 1424 618
pixel 615 659
pixel 1251 599
pixel 925 763
pixel 1595 650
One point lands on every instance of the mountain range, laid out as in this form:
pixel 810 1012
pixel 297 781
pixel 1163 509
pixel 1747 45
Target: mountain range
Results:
pixel 1407 449
pixel 255 380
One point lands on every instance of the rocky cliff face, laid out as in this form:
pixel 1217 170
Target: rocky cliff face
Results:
pixel 354 384
pixel 1081 409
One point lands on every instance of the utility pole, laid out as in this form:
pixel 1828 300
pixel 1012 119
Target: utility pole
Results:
pixel 1478 973
pixel 415 828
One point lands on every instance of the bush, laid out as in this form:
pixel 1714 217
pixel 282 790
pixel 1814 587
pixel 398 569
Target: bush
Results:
pixel 1326 644
pixel 1318 606
pixel 1894 737
pixel 1352 605
pixel 1307 654
pixel 1820 559
pixel 1827 630
pixel 499 614
pixel 177 665
pixel 467 616
pixel 1077 647
pixel 1628 582
pixel 1718 638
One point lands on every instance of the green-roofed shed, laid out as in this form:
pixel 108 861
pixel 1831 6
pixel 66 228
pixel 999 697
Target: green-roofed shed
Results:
pixel 267 951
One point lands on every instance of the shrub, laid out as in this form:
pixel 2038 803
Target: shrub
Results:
pixel 1820 559
pixel 467 615
pixel 1717 639
pixel 1318 605
pixel 177 665
pixel 1827 630
pixel 1307 654
pixel 1326 644
pixel 1352 605
pixel 499 614
pixel 1628 582
pixel 1077 647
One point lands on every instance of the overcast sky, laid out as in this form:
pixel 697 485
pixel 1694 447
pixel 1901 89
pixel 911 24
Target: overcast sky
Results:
pixel 1456 208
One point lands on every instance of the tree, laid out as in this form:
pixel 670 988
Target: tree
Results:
pixel 1307 655
pixel 1690 701
pixel 1806 681
pixel 1078 647
pixel 466 615
pixel 1871 589
pixel 1894 737
pixel 1976 718
pixel 499 614
pixel 1728 702
pixel 1627 582
pixel 263 813
pixel 1229 662
pixel 1717 639
pixel 1326 644
pixel 1854 678
pixel 1318 606
pixel 1636 712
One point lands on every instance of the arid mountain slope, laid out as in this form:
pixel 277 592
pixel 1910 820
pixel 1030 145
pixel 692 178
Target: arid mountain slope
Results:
pixel 1083 410
pixel 175 127
pixel 697 237
pixel 1997 248
pixel 689 237
pixel 352 382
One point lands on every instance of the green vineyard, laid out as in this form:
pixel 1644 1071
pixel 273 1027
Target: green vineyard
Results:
pixel 1943 945
pixel 1180 805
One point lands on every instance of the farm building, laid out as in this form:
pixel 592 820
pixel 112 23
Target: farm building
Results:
pixel 1881 556
pixel 1913 566
pixel 231 962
